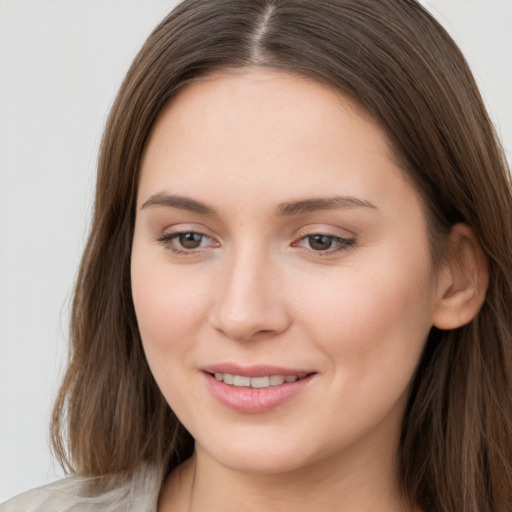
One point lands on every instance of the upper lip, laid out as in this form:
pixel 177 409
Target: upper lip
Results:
pixel 254 370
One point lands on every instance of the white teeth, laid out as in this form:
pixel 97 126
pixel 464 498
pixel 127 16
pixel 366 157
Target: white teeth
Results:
pixel 240 381
pixel 276 380
pixel 260 382
pixel 254 382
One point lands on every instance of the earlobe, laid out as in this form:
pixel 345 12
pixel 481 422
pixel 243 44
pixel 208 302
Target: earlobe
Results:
pixel 463 280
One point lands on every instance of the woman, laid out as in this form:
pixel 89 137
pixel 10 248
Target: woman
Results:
pixel 296 291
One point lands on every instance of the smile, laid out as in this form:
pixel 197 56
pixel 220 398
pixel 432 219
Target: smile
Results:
pixel 255 389
pixel 255 382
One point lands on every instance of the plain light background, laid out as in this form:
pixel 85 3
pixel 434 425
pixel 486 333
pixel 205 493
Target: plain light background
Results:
pixel 61 62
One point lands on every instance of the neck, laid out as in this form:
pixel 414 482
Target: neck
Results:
pixel 361 485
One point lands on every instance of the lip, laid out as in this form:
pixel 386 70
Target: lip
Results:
pixel 254 371
pixel 254 400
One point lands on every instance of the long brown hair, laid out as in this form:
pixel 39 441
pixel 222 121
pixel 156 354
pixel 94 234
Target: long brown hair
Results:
pixel 402 67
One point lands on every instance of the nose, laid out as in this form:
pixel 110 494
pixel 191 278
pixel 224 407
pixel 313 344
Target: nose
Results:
pixel 251 302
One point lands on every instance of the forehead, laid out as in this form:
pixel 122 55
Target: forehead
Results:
pixel 279 98
pixel 274 132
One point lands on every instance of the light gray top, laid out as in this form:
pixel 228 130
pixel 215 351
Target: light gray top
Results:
pixel 136 492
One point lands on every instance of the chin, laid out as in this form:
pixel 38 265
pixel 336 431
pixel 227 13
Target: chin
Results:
pixel 261 457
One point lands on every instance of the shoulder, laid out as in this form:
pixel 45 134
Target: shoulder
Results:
pixel 134 492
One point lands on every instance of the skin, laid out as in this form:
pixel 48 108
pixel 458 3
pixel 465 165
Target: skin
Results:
pixel 259 289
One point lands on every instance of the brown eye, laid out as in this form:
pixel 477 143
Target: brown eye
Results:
pixel 190 240
pixel 320 242
pixel 187 243
pixel 324 244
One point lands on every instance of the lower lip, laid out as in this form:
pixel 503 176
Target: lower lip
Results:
pixel 254 400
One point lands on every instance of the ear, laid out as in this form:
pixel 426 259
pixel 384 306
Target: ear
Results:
pixel 463 280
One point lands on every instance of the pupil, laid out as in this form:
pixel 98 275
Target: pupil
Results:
pixel 190 240
pixel 320 242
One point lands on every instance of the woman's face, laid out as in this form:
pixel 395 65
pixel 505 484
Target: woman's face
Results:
pixel 281 273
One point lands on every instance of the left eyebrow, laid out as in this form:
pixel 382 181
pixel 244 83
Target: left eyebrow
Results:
pixel 180 202
pixel 327 203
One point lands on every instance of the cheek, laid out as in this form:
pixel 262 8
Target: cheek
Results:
pixel 372 330
pixel 169 307
pixel 170 313
pixel 371 323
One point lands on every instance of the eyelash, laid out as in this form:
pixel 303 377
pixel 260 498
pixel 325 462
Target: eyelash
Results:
pixel 341 244
pixel 167 239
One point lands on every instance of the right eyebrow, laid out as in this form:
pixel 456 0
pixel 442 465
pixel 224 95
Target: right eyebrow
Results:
pixel 322 203
pixel 180 202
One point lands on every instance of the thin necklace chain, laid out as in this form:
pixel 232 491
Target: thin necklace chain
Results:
pixel 189 508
